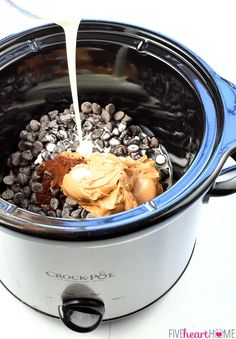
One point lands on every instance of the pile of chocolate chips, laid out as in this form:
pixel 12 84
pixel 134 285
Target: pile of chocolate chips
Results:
pixel 109 131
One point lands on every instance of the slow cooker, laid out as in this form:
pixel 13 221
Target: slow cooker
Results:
pixel 86 271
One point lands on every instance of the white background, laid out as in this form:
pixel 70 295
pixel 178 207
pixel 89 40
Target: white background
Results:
pixel 205 297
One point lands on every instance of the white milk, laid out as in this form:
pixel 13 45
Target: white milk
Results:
pixel 67 15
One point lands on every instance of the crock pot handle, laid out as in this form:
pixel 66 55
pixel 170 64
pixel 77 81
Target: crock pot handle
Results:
pixel 222 188
pixel 228 143
pixel 82 315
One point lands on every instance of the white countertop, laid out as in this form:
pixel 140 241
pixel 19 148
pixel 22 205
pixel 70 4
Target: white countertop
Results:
pixel 205 296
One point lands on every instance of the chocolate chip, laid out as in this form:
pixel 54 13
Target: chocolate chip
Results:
pixel 116 131
pixel 96 149
pixel 16 158
pixel 31 137
pixel 65 213
pixel 100 144
pixel 28 144
pixel 54 203
pixel 23 134
pixel 58 213
pixel 71 125
pixel 134 141
pixel 55 192
pixel 95 118
pixel 74 146
pixel 88 126
pixel 42 135
pixel 26 191
pixel 86 107
pixel 61 146
pixel 9 179
pixel 126 119
pixel 44 118
pixel 96 134
pixel 24 163
pixel 34 125
pixel 62 134
pixel 51 213
pixel 66 118
pixel 123 134
pixel 50 147
pixel 26 170
pixel 134 130
pixel 44 126
pixel 53 114
pixel 108 126
pixel 22 179
pixel 35 176
pixel 27 128
pixel 122 127
pixel 22 146
pixel 126 140
pixel 165 173
pixel 76 213
pixel 8 194
pixel 53 124
pixel 110 108
pixel 38 147
pixel 71 202
pixel 36 186
pixel 154 142
pixel 144 147
pixel 44 207
pixel 96 108
pixel 27 155
pixel 24 203
pixel 18 198
pixel 118 116
pixel 106 116
pixel 114 142
pixel 54 131
pixel 83 214
pixel 46 155
pixel 135 155
pixel 106 136
pixel 48 138
pixel 119 151
pixel 16 187
pixel 132 148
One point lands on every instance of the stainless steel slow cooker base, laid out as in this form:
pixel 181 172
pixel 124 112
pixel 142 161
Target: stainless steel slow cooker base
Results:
pixel 112 319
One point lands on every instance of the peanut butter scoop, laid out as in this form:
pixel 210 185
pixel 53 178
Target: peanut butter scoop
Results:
pixel 106 184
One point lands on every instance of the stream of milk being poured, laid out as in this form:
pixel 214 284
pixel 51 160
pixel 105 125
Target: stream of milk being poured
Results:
pixel 65 14
pixel 71 30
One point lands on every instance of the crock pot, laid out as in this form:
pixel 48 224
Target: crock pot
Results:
pixel 86 271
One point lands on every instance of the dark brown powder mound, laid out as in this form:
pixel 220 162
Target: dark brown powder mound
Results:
pixel 57 167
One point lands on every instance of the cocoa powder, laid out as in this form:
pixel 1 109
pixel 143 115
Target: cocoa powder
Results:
pixel 57 168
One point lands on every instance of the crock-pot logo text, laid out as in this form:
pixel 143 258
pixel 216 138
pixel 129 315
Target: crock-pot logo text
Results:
pixel 101 276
